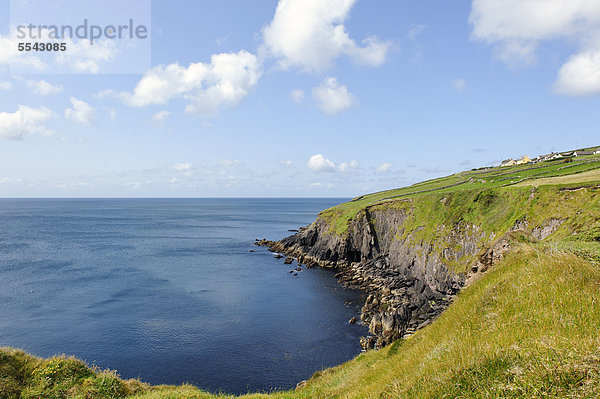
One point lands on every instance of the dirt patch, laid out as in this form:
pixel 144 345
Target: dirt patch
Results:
pixel 590 175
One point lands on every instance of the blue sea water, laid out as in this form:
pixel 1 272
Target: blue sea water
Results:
pixel 167 290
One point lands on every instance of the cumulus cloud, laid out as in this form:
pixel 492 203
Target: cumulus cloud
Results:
pixel 84 57
pixel 24 121
pixel 318 163
pixel 81 113
pixel 333 98
pixel 580 76
pixel 310 34
pixel 384 167
pixel 43 88
pixel 11 56
pixel 297 96
pixel 208 87
pixel 518 27
pixel 348 166
pixel 185 168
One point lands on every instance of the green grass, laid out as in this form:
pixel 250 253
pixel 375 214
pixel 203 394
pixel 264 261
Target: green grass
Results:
pixel 27 377
pixel 490 178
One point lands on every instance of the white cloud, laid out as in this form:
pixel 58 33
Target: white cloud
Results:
pixel 230 163
pixel 415 47
pixel 384 167
pixel 415 31
pixel 11 56
pixel 310 34
pixel 24 121
pixel 208 87
pixel 459 84
pixel 43 88
pixel 580 76
pixel 348 166
pixel 318 163
pixel 81 113
pixel 4 85
pixel 185 168
pixel 297 96
pixel 83 57
pixel 159 118
pixel 9 180
pixel 286 163
pixel 182 166
pixel 332 98
pixel 519 27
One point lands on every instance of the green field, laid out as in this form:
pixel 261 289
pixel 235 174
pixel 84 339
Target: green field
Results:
pixel 478 179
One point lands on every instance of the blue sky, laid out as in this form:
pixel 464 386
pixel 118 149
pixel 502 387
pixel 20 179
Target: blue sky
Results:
pixel 298 97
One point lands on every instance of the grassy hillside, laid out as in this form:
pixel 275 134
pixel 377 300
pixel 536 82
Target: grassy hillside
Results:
pixel 571 170
pixel 529 327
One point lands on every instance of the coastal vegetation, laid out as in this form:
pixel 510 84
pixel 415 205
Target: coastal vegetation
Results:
pixel 525 325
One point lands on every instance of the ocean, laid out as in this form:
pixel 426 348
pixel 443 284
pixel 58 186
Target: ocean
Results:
pixel 168 290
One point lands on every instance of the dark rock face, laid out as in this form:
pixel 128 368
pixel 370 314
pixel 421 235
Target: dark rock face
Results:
pixel 407 280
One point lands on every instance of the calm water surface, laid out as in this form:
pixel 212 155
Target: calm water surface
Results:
pixel 168 290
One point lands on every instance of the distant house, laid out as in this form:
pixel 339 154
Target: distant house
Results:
pixel 522 160
pixel 550 157
pixel 582 153
pixel 596 151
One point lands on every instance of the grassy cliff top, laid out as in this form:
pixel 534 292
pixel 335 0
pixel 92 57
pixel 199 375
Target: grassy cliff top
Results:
pixel 566 171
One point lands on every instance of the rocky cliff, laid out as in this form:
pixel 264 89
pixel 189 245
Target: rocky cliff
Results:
pixel 410 271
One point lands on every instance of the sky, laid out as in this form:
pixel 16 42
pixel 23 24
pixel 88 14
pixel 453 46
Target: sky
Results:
pixel 291 98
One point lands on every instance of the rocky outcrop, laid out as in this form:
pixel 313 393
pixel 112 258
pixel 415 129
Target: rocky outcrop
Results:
pixel 408 276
